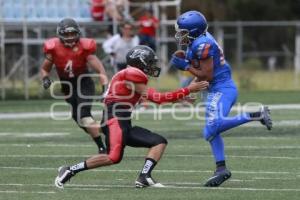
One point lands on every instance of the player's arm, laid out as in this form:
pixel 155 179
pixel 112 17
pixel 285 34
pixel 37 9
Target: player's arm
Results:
pixel 205 71
pixel 152 95
pixel 157 97
pixel 201 67
pixel 97 65
pixel 45 71
pixel 156 23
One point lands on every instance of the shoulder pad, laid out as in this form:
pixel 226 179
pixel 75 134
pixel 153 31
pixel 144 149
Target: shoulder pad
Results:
pixel 49 44
pixel 135 75
pixel 202 48
pixel 88 44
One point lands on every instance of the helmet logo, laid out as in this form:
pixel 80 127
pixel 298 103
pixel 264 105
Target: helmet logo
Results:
pixel 139 53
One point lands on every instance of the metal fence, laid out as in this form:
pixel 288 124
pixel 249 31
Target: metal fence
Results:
pixel 267 45
pixel 21 40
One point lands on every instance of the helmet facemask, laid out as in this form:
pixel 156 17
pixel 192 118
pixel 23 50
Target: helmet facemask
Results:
pixel 68 32
pixel 182 36
pixel 185 36
pixel 151 69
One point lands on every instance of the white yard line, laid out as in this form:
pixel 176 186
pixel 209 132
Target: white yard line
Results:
pixel 45 185
pixel 102 187
pixel 26 192
pixel 282 179
pixel 196 187
pixel 136 156
pixel 157 171
pixel 278 123
pixel 34 115
pixel 236 189
pixel 33 135
pixel 250 147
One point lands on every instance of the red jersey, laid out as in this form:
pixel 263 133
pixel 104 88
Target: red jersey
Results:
pixel 70 62
pixel 119 92
pixel 147 25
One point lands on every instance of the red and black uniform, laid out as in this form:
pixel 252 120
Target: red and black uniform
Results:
pixel 119 101
pixel 71 67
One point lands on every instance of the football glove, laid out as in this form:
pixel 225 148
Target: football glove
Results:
pixel 180 63
pixel 46 82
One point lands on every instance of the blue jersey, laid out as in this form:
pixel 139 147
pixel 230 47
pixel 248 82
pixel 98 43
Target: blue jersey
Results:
pixel 205 46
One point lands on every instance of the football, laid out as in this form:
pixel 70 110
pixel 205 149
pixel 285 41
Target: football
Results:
pixel 179 53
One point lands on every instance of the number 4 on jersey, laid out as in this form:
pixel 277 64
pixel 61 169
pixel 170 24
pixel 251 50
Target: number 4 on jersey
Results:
pixel 69 68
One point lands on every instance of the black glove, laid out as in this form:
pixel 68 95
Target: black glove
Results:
pixel 46 82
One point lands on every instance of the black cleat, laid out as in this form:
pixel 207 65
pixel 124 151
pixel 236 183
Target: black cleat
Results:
pixel 64 175
pixel 145 180
pixel 266 117
pixel 218 178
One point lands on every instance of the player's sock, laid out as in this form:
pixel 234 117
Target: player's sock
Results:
pixel 255 115
pixel 220 165
pixel 78 167
pixel 148 166
pixel 101 147
pixel 217 147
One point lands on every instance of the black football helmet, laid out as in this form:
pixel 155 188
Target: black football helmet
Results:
pixel 68 32
pixel 144 58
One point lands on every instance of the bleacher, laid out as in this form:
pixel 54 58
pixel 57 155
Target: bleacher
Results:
pixel 44 10
pixel 25 24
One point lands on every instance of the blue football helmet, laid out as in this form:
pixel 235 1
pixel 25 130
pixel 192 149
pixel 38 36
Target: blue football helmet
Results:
pixel 189 26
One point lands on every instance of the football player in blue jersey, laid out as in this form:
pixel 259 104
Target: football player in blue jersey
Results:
pixel 205 60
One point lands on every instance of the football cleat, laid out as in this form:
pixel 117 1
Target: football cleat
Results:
pixel 145 180
pixel 64 175
pixel 218 178
pixel 266 117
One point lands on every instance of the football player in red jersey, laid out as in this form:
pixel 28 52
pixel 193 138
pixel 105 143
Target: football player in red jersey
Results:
pixel 71 56
pixel 125 90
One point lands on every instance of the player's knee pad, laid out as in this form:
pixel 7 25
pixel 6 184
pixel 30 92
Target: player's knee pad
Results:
pixel 115 159
pixel 86 121
pixel 159 140
pixel 210 131
pixel 116 154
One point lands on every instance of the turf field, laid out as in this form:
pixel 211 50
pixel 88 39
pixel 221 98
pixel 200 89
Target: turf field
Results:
pixel 265 165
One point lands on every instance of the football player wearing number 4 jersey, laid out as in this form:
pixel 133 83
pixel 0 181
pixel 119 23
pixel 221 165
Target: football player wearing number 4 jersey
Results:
pixel 204 59
pixel 125 91
pixel 71 56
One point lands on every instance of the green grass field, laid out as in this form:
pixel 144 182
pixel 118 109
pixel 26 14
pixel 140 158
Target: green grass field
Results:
pixel 265 165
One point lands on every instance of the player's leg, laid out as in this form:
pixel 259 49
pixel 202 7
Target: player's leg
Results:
pixel 221 173
pixel 263 116
pixel 114 131
pixel 84 116
pixel 218 107
pixel 141 137
pixel 217 110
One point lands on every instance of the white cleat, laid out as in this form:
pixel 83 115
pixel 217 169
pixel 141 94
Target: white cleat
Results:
pixel 147 181
pixel 157 185
pixel 64 175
